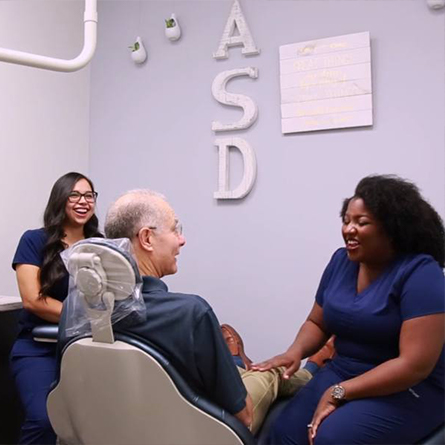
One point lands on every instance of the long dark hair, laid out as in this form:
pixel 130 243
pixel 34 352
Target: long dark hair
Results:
pixel 411 223
pixel 52 268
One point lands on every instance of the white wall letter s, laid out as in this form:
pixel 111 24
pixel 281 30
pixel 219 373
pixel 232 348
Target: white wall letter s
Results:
pixel 237 100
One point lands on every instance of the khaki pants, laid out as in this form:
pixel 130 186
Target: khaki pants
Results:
pixel 265 387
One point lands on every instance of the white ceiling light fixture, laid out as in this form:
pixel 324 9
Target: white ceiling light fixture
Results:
pixel 53 64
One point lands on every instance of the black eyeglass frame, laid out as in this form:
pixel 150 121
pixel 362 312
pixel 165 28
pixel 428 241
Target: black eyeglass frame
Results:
pixel 75 196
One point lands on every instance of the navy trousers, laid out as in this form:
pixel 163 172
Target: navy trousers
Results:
pixel 34 373
pixel 402 418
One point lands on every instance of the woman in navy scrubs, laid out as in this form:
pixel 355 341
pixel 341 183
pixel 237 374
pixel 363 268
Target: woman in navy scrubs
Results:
pixel 43 285
pixel 383 297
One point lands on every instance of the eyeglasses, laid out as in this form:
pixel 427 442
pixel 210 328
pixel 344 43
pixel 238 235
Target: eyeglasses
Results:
pixel 177 229
pixel 77 196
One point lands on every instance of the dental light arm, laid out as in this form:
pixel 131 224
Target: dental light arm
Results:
pixel 50 63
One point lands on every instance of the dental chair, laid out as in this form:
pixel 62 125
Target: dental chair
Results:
pixel 117 390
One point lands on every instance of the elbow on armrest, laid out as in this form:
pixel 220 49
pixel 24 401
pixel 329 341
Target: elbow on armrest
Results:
pixel 29 305
pixel 34 305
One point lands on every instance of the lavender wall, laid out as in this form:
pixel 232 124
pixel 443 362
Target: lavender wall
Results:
pixel 258 260
pixel 44 117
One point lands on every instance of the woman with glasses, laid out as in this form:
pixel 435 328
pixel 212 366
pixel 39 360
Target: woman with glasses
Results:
pixel 43 284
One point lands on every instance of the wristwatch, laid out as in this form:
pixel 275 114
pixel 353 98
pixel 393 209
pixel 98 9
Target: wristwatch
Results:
pixel 338 393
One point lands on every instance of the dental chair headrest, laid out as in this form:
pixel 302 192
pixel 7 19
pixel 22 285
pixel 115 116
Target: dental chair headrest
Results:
pixel 105 284
pixel 98 268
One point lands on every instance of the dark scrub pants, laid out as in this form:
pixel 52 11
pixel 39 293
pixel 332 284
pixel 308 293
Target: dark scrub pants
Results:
pixel 402 418
pixel 33 364
pixel 34 368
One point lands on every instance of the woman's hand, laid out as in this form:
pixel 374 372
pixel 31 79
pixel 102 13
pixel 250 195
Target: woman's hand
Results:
pixel 310 338
pixel 325 407
pixel 290 361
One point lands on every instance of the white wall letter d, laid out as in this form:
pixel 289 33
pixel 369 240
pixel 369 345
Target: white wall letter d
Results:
pixel 249 174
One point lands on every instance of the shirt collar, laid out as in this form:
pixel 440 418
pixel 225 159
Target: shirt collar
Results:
pixel 151 284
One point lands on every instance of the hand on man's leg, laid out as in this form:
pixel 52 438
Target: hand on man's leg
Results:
pixel 265 387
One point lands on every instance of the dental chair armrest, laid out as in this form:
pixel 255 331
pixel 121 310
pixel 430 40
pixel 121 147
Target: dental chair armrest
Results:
pixel 45 333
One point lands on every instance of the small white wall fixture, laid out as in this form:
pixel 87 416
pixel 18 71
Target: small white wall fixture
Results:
pixel 174 32
pixel 139 55
pixel 63 65
pixel 236 21
pixel 326 84
pixel 250 169
pixel 436 4
pixel 249 107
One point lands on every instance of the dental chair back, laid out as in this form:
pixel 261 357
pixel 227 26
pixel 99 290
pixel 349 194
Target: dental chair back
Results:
pixel 114 389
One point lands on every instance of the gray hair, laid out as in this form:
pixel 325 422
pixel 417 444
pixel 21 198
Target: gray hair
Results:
pixel 132 211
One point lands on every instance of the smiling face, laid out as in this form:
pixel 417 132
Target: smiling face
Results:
pixel 79 211
pixel 366 241
pixel 167 241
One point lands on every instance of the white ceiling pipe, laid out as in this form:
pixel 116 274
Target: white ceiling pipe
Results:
pixel 50 63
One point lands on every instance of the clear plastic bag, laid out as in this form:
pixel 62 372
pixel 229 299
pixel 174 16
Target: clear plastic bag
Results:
pixel 104 282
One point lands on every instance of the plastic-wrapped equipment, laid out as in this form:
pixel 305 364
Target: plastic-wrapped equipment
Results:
pixel 104 289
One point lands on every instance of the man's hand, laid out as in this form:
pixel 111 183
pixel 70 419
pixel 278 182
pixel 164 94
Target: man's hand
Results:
pixel 289 361
pixel 246 414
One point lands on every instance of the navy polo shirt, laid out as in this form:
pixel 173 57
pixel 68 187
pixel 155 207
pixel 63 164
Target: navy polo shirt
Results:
pixel 367 324
pixel 186 330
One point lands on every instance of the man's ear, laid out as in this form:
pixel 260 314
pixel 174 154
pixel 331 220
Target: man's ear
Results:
pixel 145 237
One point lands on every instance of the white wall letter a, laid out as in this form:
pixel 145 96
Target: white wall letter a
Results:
pixel 236 20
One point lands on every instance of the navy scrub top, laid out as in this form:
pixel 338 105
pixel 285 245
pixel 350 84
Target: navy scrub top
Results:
pixel 367 324
pixel 30 251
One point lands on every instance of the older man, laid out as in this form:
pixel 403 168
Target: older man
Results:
pixel 184 326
